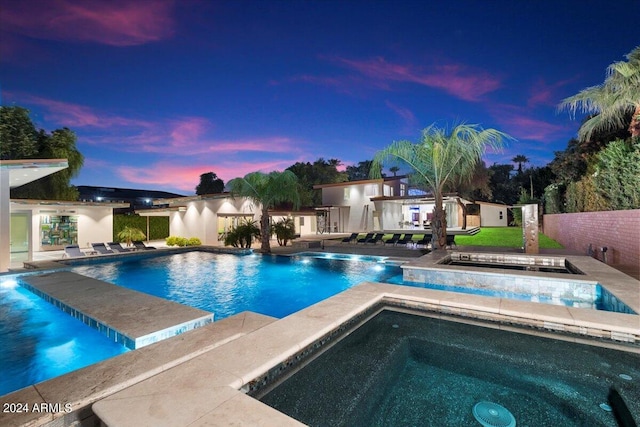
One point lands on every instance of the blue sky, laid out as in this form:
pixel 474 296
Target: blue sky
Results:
pixel 162 91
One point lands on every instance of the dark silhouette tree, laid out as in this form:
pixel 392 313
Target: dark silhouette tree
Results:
pixel 209 184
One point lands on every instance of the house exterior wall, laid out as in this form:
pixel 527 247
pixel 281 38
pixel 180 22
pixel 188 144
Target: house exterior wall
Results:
pixel 619 231
pixel 490 215
pixel 357 197
pixel 200 218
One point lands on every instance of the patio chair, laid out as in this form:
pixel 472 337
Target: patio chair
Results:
pixel 406 239
pixel 393 240
pixel 366 238
pixel 72 251
pixel 101 248
pixel 377 238
pixel 451 241
pixel 117 247
pixel 139 244
pixel 426 240
pixel 351 238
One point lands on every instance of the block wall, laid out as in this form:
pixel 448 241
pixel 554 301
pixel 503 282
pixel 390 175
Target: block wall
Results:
pixel 619 231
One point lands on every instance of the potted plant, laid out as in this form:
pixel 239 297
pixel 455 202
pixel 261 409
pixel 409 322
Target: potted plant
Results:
pixel 129 234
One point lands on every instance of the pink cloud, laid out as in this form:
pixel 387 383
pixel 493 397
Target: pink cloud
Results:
pixel 114 22
pixel 78 116
pixel 183 136
pixel 545 94
pixel 519 123
pixel 406 114
pixel 186 177
pixel 456 79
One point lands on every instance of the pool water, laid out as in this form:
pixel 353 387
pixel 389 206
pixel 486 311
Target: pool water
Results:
pixel 227 284
pixel 40 342
pixel 402 369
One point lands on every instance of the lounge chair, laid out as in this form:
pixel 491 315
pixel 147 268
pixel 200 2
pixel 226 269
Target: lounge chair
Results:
pixel 351 238
pixel 139 244
pixel 426 240
pixel 406 239
pixel 72 251
pixel 451 240
pixel 377 238
pixel 393 240
pixel 117 247
pixel 101 248
pixel 366 238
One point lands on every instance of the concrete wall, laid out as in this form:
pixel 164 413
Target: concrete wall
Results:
pixel 619 231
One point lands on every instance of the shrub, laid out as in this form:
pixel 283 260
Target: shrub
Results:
pixel 193 241
pixel 617 174
pixel 130 234
pixel 284 230
pixel 242 235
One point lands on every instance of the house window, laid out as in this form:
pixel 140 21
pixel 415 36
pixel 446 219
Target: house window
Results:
pixel 301 221
pixel 371 190
pixel 347 193
pixel 403 189
pixel 388 190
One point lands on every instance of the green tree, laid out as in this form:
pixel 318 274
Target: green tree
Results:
pixel 209 184
pixel 394 170
pixel 611 103
pixel 361 171
pixel 319 172
pixel 19 140
pixel 284 230
pixel 440 160
pixel 18 135
pixel 268 191
pixel 520 159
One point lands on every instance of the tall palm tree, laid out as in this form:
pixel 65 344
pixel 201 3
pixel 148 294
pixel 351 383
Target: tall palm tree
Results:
pixel 440 160
pixel 520 159
pixel 611 102
pixel 394 170
pixel 268 191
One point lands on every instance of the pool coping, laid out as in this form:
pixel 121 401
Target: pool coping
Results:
pixel 209 383
pixel 231 369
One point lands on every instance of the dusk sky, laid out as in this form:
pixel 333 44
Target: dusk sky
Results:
pixel 162 91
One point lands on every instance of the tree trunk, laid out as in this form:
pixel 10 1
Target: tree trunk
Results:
pixel 439 224
pixel 265 231
pixel 634 127
pixel 464 213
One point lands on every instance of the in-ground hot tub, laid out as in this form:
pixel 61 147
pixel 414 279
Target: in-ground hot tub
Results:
pixel 511 262
pixel 405 369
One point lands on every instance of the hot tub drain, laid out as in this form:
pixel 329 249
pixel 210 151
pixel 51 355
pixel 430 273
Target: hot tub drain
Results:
pixel 491 414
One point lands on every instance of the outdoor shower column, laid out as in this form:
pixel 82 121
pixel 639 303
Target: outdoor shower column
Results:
pixel 530 229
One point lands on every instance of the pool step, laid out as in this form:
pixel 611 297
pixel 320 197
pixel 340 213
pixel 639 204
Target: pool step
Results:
pixel 131 318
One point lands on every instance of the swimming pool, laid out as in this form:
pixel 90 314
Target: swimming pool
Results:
pixel 404 369
pixel 227 284
pixel 39 341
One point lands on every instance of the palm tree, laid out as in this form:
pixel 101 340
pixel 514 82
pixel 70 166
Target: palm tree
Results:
pixel 440 160
pixel 611 102
pixel 394 170
pixel 520 159
pixel 268 191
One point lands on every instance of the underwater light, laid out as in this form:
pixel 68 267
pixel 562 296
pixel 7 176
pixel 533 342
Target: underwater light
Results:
pixel 9 284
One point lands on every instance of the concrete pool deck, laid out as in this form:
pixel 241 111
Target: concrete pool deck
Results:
pixel 200 377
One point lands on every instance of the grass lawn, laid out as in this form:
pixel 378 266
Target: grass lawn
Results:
pixel 510 237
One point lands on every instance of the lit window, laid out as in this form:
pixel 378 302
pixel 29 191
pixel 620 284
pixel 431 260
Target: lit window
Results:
pixel 347 193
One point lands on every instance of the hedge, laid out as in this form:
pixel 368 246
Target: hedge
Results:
pixel 158 225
